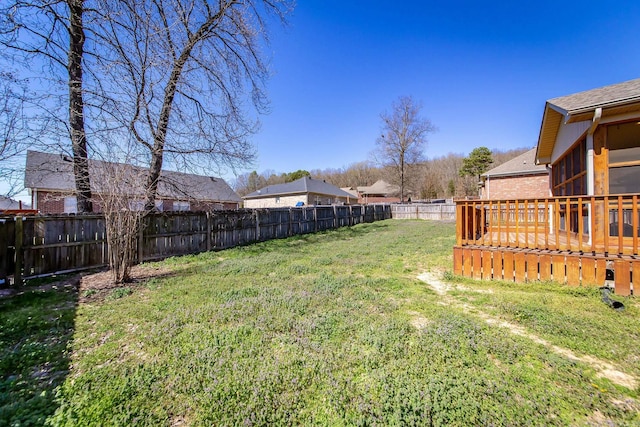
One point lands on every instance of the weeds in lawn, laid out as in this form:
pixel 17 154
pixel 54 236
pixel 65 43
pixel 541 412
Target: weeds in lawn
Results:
pixel 335 329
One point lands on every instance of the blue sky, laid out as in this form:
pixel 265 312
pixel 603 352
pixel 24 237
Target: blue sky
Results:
pixel 482 71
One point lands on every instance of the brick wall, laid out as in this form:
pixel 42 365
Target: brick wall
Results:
pixel 50 202
pixel 517 187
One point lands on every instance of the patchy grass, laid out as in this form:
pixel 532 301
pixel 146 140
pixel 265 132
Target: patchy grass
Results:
pixel 335 329
pixel 36 327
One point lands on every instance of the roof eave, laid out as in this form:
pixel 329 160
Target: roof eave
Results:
pixel 551 121
pixel 503 174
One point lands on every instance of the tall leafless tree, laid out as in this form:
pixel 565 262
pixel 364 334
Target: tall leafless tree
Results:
pixel 13 129
pixel 180 72
pixel 403 139
pixel 51 33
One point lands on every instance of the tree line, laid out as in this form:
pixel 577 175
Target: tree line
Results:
pixel 434 178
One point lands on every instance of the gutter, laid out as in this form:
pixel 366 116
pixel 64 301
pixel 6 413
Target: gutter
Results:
pixel 597 116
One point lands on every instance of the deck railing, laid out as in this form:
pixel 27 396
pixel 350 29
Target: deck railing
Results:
pixel 587 224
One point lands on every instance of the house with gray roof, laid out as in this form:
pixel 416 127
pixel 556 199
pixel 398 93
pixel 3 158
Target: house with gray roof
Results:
pixel 516 178
pixel 7 203
pixel 302 192
pixel 50 181
pixel 591 139
pixel 380 192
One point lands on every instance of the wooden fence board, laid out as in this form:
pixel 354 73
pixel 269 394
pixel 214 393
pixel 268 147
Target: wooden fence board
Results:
pixel 558 268
pixel 520 266
pixel 573 270
pixel 457 261
pixel 466 262
pixel 477 264
pixel 588 271
pixel 533 262
pixel 497 265
pixel 544 263
pixel 487 271
pixel 622 277
pixel 507 257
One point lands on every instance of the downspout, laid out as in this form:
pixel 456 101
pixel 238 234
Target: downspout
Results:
pixel 487 187
pixel 597 115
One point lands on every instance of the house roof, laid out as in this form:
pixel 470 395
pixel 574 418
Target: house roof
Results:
pixel 524 164
pixel 46 171
pixel 7 203
pixel 300 186
pixel 615 99
pixel 379 187
pixel 350 190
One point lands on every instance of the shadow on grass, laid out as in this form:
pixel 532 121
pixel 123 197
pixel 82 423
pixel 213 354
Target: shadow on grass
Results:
pixel 37 327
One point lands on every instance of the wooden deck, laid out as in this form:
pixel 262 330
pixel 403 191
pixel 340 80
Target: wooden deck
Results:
pixel 572 240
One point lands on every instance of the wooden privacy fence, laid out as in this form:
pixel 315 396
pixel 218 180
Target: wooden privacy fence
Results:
pixel 35 246
pixel 435 211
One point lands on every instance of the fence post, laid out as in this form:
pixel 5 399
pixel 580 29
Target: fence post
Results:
pixel 208 230
pixel 290 229
pixel 315 219
pixel 255 212
pixel 17 275
pixel 141 239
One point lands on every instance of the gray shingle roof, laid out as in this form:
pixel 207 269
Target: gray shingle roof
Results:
pixel 7 203
pixel 47 171
pixel 300 186
pixel 524 164
pixel 615 94
pixel 380 187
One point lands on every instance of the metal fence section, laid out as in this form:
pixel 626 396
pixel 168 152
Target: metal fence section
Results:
pixel 34 246
pixel 431 211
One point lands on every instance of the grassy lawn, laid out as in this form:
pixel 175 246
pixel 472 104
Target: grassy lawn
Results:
pixel 326 329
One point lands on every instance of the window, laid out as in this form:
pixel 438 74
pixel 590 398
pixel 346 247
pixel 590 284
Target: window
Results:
pixel 70 204
pixel 569 178
pixel 623 141
pixel 569 174
pixel 138 205
pixel 277 199
pixel 181 205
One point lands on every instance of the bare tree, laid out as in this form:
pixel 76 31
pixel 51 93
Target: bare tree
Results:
pixel 13 129
pixel 180 72
pixel 119 190
pixel 404 135
pixel 51 33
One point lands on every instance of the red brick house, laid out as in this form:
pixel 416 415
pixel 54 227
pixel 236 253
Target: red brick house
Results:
pixel 380 192
pixel 50 181
pixel 517 178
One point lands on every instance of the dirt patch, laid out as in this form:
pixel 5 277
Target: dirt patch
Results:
pixel 92 286
pixel 604 369
pixel 97 286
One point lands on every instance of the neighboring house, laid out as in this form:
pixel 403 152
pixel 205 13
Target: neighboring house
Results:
pixel 379 192
pixel 518 177
pixel 351 190
pixel 50 181
pixel 9 204
pixel 589 230
pixel 302 192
